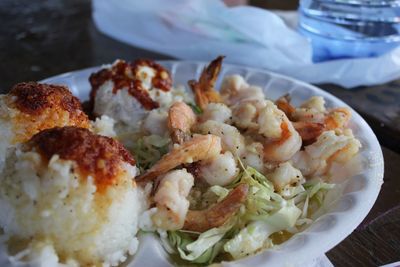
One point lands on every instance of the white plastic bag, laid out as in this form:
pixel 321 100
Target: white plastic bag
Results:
pixel 203 29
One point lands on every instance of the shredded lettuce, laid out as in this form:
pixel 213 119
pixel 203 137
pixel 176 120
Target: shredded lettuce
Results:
pixel 196 109
pixel 264 212
pixel 313 187
pixel 156 141
pixel 312 198
pixel 204 248
pixel 148 150
pixel 219 191
pixel 291 191
pixel 261 199
pixel 316 192
pixel 255 236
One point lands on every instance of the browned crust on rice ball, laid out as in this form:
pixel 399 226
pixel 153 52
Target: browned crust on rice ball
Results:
pixel 95 155
pixel 43 106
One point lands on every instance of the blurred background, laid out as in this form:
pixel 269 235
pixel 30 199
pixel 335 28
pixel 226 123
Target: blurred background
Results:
pixel 30 31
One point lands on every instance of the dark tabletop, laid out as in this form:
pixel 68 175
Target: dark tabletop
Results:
pixel 39 39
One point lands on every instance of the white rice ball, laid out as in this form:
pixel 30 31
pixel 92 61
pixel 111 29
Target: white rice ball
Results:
pixel 120 106
pixel 72 191
pixel 127 92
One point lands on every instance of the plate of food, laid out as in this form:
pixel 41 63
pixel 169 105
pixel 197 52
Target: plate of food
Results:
pixel 180 163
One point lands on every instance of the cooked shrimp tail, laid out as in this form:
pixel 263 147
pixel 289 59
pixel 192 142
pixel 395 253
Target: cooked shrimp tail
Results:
pixel 181 118
pixel 283 103
pixel 200 147
pixel 217 215
pixel 309 131
pixel 204 89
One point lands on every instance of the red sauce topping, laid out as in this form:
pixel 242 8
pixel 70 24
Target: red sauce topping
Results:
pixel 95 155
pixel 126 75
pixel 162 80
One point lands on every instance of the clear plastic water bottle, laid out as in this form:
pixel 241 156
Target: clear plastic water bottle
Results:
pixel 350 28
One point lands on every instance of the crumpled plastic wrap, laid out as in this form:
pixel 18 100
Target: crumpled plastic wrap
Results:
pixel 201 30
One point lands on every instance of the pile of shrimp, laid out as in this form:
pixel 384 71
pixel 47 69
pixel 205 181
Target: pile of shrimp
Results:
pixel 239 127
pixel 226 159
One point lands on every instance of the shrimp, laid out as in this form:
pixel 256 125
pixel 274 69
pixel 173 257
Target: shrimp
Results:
pixel 251 153
pixel 217 112
pixel 312 110
pixel 174 187
pixel 316 103
pixel 171 199
pixel 308 130
pixel 235 89
pixel 204 89
pixel 245 113
pixel 217 215
pixel 230 136
pixel 330 147
pixel 312 118
pixel 253 156
pixel 285 147
pixel 222 170
pixel 215 168
pixel 285 175
pixel 173 207
pixel 200 147
pixel 181 118
pixel 337 118
pixel 310 123
pixel 281 140
pixel 270 126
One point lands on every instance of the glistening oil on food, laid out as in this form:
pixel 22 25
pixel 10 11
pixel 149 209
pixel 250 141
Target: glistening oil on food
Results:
pixel 218 174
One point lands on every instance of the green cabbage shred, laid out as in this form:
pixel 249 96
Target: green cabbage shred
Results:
pixel 264 213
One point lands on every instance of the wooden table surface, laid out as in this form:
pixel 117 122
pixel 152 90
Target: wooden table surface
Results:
pixel 39 39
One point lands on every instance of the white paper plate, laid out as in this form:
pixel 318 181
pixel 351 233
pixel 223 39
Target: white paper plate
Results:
pixel 342 217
